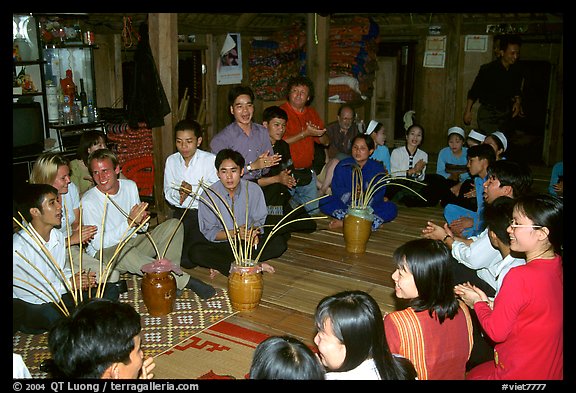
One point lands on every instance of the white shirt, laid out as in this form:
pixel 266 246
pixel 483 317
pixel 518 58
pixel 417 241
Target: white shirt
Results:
pixel 115 229
pixel 400 162
pixel 37 289
pixel 481 256
pixel 19 369
pixel 500 269
pixel 201 166
pixel 365 371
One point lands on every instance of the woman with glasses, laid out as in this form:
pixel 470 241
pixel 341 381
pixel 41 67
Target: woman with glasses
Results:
pixel 525 320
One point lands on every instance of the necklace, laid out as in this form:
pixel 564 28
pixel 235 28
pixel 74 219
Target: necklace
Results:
pixel 541 255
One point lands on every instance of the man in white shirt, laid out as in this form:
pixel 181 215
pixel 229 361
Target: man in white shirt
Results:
pixel 42 278
pixel 183 172
pixel 125 216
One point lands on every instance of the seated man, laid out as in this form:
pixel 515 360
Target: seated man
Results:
pixel 233 210
pixel 464 222
pixel 125 224
pixel 43 289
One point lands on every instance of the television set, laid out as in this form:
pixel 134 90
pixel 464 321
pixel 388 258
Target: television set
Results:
pixel 27 129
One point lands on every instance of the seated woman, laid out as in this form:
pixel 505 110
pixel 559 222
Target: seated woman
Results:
pixel 337 204
pixel 351 340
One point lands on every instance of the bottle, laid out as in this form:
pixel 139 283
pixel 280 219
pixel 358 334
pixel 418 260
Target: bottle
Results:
pixel 77 112
pixel 83 97
pixel 67 111
pixel 90 112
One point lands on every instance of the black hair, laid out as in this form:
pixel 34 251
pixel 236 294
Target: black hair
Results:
pixel 273 112
pixel 239 90
pixel 98 333
pixel 416 126
pixel 367 138
pixel 547 211
pixel 285 357
pixel 430 262
pixel 358 323
pixel 31 196
pixel 497 216
pixel 229 154
pixel 506 40
pixel 189 125
pixel 513 174
pixel 482 151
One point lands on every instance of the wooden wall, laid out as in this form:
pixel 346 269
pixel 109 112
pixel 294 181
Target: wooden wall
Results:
pixel 439 93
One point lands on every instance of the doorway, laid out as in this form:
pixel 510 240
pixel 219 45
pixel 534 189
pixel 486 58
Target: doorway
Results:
pixel 394 92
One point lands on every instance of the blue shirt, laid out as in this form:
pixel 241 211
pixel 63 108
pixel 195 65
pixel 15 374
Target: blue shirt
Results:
pixel 382 154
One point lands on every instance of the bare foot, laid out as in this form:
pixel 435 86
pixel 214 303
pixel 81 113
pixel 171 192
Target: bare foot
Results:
pixel 213 273
pixel 267 267
pixel 335 224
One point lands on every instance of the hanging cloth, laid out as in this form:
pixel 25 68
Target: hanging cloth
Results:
pixel 148 102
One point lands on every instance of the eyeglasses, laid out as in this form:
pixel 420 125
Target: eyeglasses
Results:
pixel 513 224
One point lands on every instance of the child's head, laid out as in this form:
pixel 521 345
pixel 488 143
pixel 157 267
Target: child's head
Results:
pixel 274 119
pixel 537 223
pixel 241 101
pixel 230 166
pixel 455 139
pixel 187 137
pixel 377 131
pixel 480 157
pixel 475 138
pixel 285 357
pixel 424 276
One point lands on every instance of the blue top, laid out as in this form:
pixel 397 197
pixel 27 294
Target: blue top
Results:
pixel 448 162
pixel 382 154
pixel 557 171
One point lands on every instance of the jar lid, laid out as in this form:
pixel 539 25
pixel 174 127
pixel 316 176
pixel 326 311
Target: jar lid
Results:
pixel 161 265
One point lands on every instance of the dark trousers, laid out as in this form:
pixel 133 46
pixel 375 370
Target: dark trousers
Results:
pixel 192 232
pixel 39 318
pixel 219 256
pixel 483 349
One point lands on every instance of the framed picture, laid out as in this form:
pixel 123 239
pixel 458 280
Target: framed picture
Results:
pixel 434 59
pixel 476 43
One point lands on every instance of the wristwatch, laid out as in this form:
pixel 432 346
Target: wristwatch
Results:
pixel 249 167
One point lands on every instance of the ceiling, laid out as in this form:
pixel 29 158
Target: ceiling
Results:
pixel 266 23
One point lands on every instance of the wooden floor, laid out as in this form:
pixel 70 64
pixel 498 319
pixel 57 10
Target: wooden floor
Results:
pixel 317 265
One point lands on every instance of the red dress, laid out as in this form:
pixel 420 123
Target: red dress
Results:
pixel 526 324
pixel 437 350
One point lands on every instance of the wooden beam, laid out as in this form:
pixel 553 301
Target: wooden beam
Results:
pixel 317 41
pixel 163 33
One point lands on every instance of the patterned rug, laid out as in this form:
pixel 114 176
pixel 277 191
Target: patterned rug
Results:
pixel 222 351
pixel 191 315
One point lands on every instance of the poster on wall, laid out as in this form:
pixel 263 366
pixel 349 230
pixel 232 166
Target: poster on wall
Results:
pixel 229 66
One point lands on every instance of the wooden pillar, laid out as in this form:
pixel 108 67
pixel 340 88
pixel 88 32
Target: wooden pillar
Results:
pixel 163 33
pixel 317 44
